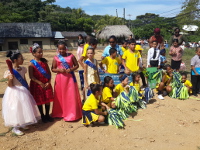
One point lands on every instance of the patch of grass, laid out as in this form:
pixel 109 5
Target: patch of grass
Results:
pixel 3 80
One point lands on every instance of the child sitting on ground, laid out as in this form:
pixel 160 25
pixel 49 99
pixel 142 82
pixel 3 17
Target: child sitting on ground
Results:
pixel 91 113
pixel 165 83
pixel 107 95
pixel 187 83
pixel 121 86
pixel 136 81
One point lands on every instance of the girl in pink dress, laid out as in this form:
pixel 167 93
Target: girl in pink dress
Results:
pixel 67 102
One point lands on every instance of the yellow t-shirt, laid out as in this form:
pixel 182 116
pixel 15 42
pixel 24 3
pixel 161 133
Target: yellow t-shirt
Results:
pixel 85 51
pixel 107 94
pixel 119 88
pixel 132 60
pixel 188 83
pixel 112 65
pixel 91 103
pixel 136 86
pixel 124 49
pixel 166 78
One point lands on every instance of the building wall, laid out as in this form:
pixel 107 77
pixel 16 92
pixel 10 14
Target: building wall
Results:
pixel 46 43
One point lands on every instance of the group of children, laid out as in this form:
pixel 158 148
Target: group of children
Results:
pixel 19 107
pixel 19 101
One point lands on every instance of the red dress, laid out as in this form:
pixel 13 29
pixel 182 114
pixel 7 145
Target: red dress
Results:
pixel 41 96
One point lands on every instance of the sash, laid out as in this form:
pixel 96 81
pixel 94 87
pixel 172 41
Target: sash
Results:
pixel 20 78
pixel 65 65
pixel 40 69
pixel 89 63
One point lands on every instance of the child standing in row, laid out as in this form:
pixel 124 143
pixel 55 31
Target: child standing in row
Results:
pixel 40 84
pixel 67 102
pixel 176 52
pixel 163 59
pixel 130 58
pixel 18 106
pixel 195 72
pixel 124 46
pixel 112 62
pixel 91 73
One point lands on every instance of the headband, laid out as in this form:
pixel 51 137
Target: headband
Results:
pixel 123 77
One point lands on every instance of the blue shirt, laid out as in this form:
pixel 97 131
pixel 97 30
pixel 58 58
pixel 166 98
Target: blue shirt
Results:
pixel 107 49
pixel 162 59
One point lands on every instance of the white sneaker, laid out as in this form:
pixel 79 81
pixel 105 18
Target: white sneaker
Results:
pixel 161 97
pixel 17 131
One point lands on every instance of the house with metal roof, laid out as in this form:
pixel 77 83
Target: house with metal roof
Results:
pixel 22 35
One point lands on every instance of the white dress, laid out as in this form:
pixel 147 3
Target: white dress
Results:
pixel 18 105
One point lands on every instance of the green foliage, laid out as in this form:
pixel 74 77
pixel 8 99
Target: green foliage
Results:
pixel 144 25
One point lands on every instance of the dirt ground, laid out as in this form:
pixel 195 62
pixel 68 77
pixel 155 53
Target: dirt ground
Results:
pixel 165 124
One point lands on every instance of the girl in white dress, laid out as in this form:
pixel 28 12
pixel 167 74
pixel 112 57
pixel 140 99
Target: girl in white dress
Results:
pixel 18 106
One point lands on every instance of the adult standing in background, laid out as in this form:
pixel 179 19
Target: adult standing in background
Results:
pixel 181 38
pixel 158 38
pixel 81 43
pixel 113 44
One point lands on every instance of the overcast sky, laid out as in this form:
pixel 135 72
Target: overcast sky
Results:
pixel 165 8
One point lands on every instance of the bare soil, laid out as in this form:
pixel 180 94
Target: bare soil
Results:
pixel 165 124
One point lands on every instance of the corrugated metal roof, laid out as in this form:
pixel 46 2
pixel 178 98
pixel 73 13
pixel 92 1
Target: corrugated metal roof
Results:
pixel 24 30
pixel 73 34
pixel 57 35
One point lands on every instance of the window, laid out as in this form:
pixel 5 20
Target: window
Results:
pixel 39 42
pixel 12 45
pixel 23 41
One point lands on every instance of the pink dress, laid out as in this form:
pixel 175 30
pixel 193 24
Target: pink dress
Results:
pixel 67 101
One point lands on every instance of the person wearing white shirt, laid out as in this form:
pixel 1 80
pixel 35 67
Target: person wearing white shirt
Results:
pixel 153 56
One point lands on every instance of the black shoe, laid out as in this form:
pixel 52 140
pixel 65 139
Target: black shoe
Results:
pixel 44 120
pixel 195 95
pixel 199 92
pixel 49 119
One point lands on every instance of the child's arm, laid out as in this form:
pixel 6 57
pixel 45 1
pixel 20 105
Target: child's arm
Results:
pixel 100 112
pixel 55 69
pixel 171 52
pixel 49 72
pixel 124 64
pixel 81 61
pixel 30 70
pixel 10 80
pixel 170 79
pixel 193 68
pixel 85 76
pixel 75 62
pixel 148 58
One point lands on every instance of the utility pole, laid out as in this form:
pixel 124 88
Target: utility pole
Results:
pixel 116 13
pixel 124 15
pixel 129 20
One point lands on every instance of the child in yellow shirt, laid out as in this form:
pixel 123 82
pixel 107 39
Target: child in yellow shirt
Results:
pixel 124 46
pixel 112 62
pixel 187 83
pixel 130 58
pixel 136 81
pixel 107 95
pixel 120 87
pixel 90 110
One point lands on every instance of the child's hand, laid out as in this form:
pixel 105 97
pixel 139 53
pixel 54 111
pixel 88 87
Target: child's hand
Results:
pixel 159 67
pixel 46 85
pixel 105 113
pixel 42 85
pixel 63 70
pixel 149 65
pixel 10 77
pixel 68 70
